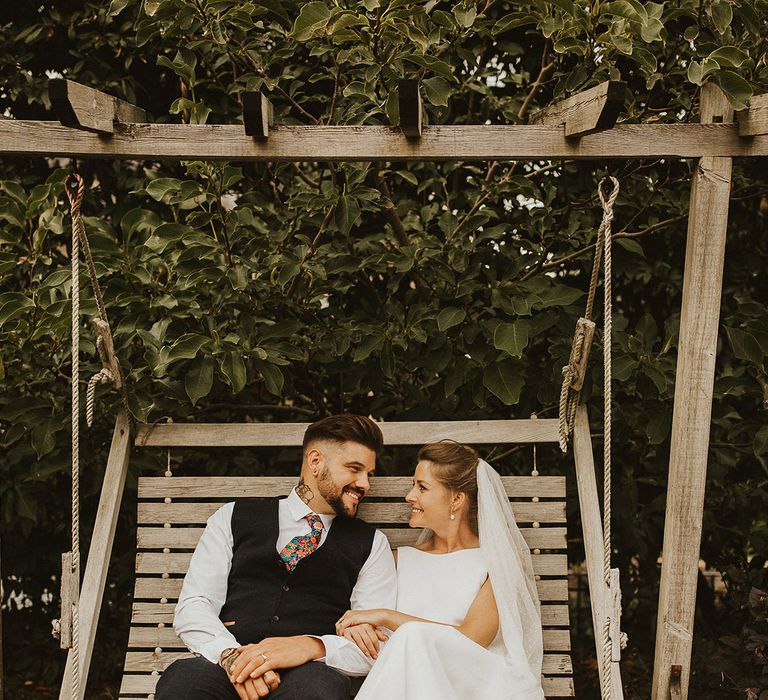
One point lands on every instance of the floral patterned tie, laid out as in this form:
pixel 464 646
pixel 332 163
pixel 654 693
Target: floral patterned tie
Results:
pixel 302 545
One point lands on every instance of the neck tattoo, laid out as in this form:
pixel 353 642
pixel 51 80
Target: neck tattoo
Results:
pixel 304 492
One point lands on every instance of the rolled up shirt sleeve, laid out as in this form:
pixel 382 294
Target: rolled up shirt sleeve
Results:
pixel 196 618
pixel 376 587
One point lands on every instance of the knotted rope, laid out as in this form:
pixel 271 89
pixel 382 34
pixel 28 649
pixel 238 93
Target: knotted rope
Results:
pixel 573 372
pixel 110 372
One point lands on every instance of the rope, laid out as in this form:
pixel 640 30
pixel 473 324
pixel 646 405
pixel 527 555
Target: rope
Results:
pixel 573 371
pixel 75 266
pixel 607 201
pixel 569 393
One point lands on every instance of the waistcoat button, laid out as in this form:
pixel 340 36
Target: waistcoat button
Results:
pixel 286 587
pixel 275 618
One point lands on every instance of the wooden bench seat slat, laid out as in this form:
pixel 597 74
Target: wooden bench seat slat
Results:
pixel 138 685
pixel 377 513
pixel 148 661
pixel 178 563
pixel 555 639
pixel 232 487
pixel 187 537
pixel 485 432
pixel 156 613
pixel 155 588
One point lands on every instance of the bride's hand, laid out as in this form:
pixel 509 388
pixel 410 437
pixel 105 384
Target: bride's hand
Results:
pixel 378 617
pixel 367 638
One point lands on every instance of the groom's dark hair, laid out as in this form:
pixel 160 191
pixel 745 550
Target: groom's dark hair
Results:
pixel 345 427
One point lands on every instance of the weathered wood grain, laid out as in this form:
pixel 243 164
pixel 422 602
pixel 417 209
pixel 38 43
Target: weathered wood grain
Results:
pixel 187 537
pixel 754 121
pixel 376 143
pixel 585 112
pixel 410 108
pixel 178 563
pixel 692 410
pixel 395 433
pixel 231 487
pixel 83 107
pixel 592 528
pixel 376 513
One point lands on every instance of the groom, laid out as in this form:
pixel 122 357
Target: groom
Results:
pixel 270 577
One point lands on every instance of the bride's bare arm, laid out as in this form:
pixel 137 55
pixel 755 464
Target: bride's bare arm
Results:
pixel 481 623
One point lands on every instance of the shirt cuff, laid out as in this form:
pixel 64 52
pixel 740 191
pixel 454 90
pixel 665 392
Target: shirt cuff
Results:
pixel 212 650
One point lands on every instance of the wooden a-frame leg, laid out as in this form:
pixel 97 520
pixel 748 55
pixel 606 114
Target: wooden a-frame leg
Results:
pixel 692 413
pixel 92 590
pixel 600 594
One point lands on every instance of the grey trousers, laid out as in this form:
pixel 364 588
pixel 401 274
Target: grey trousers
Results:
pixel 199 679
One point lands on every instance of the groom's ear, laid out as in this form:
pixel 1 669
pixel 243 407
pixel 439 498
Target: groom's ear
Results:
pixel 314 459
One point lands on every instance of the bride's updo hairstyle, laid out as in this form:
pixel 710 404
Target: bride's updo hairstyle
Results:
pixel 455 467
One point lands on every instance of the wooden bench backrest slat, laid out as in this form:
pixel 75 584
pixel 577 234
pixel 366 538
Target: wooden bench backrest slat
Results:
pixel 484 432
pixel 220 488
pixel 185 538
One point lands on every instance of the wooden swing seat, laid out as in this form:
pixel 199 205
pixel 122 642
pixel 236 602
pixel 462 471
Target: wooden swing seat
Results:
pixel 172 512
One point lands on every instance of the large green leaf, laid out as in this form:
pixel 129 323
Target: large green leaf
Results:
pixel 311 21
pixel 504 379
pixel 744 345
pixel 199 379
pixel 273 377
pixel 450 317
pixel 511 337
pixel 233 367
pixel 437 91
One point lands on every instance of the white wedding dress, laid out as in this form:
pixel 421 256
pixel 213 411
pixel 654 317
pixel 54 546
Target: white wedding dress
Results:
pixel 425 661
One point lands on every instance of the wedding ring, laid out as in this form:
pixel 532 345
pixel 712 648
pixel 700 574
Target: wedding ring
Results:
pixel 264 656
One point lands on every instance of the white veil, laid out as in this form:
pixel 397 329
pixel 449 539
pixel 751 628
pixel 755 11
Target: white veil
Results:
pixel 510 569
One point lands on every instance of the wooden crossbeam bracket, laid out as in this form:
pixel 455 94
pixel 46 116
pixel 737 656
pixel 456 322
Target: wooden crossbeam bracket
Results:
pixel 258 114
pixel 83 107
pixel 410 108
pixel 586 112
pixel 754 121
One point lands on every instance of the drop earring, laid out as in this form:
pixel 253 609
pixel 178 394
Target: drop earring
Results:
pixel 453 517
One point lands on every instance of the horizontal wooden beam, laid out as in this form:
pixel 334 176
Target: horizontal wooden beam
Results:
pixel 83 107
pixel 377 143
pixel 258 114
pixel 475 432
pixel 232 487
pixel 410 108
pixel 586 112
pixel 754 121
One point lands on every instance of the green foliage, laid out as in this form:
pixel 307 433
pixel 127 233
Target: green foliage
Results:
pixel 424 290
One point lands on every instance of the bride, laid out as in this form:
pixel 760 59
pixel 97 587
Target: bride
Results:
pixel 467 624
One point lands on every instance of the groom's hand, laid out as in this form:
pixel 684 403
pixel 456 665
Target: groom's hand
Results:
pixel 255 688
pixel 274 653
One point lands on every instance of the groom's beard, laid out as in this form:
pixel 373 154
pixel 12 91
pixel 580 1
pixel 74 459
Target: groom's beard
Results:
pixel 334 496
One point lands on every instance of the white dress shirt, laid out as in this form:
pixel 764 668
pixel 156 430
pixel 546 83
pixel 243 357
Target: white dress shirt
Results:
pixel 204 592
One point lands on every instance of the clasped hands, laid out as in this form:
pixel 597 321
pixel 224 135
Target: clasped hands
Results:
pixel 252 672
pixel 363 628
